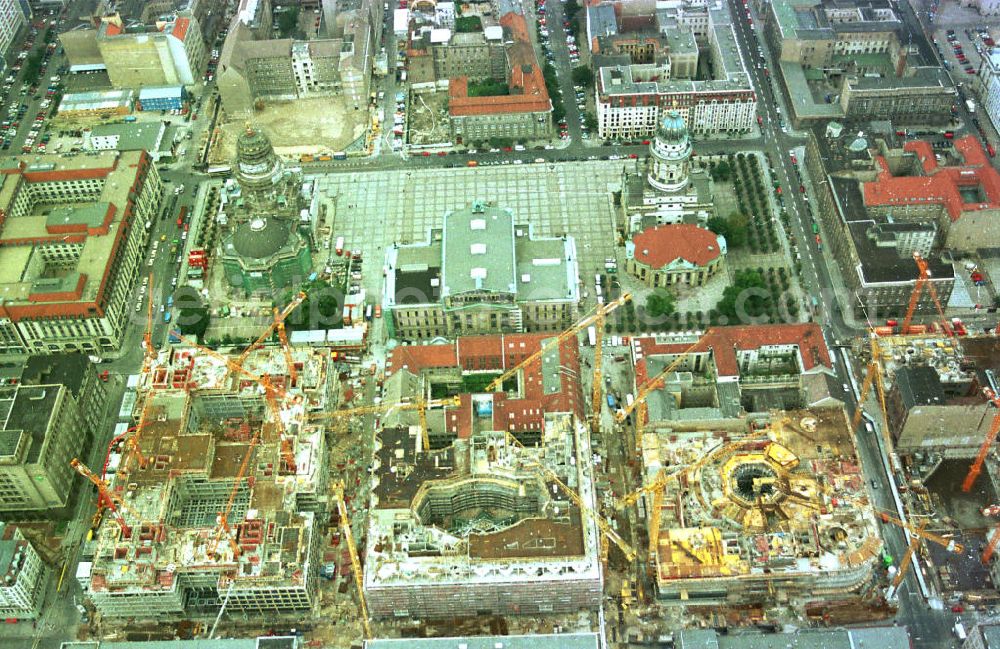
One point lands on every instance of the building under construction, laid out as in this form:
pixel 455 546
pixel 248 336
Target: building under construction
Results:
pixel 477 523
pixel 773 511
pixel 218 496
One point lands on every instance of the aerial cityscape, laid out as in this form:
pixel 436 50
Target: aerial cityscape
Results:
pixel 499 324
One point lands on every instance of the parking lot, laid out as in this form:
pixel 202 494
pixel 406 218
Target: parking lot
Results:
pixel 31 91
pixel 962 48
pixel 560 50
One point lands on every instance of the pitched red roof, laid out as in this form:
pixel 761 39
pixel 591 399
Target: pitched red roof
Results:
pixel 527 85
pixel 661 245
pixel 939 185
pixel 724 342
pixel 499 353
pixel 180 28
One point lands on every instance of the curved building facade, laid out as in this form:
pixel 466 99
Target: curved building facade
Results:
pixel 670 154
pixel 265 254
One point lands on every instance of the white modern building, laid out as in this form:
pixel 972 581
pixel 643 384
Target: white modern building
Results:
pixel 12 19
pixel 989 73
pixel 22 576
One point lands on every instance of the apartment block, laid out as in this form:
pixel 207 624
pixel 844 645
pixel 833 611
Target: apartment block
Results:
pixel 42 430
pixel 254 67
pixel 523 114
pixel 989 74
pixel 822 34
pixel 481 273
pixel 736 370
pixel 925 416
pixel 633 96
pixel 12 22
pixel 73 233
pixel 437 54
pixel 924 96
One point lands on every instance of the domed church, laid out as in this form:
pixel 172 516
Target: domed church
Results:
pixel 664 189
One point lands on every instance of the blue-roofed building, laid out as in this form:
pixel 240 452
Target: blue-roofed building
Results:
pixel 162 98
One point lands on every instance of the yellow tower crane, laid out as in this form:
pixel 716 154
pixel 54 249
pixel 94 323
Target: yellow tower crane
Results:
pixel 553 343
pixel 584 508
pixel 655 383
pixel 595 401
pixel 874 377
pixel 352 549
pixel 656 487
pixel 918 533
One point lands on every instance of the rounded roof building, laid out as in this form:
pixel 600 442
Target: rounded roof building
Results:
pixel 672 127
pixel 257 167
pixel 260 238
pixel 265 254
pixel 669 154
pixel 679 245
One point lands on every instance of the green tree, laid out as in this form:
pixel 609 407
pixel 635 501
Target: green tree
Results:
pixel 583 76
pixel 734 228
pixel 488 88
pixel 746 299
pixel 288 22
pixel 193 321
pixel 321 309
pixel 32 65
pixel 722 171
pixel 590 121
pixel 658 311
pixel 558 111
pixel 498 142
pixel 468 24
pixel 571 8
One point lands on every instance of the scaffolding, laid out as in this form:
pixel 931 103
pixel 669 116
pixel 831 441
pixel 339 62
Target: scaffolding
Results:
pixel 202 423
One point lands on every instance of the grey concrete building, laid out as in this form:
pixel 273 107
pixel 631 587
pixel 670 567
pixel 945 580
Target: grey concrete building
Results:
pixel 924 96
pixel 252 70
pixel 39 435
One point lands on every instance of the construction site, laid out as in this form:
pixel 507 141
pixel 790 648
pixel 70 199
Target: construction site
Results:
pixel 484 482
pixel 217 499
pixel 775 512
pixel 936 417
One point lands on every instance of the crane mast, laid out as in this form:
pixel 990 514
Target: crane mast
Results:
pixel 352 549
pixel 654 383
pixel 984 450
pixel 105 497
pixel 595 400
pixel 555 342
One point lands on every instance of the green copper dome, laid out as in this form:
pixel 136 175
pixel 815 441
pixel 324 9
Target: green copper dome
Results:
pixel 672 127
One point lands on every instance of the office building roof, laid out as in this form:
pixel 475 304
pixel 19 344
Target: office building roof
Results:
pixel 540 641
pixel 478 251
pixel 920 385
pixel 95 101
pixel 878 264
pixel 137 136
pixel 160 92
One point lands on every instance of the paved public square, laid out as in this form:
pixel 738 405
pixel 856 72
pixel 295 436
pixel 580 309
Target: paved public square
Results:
pixel 377 208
